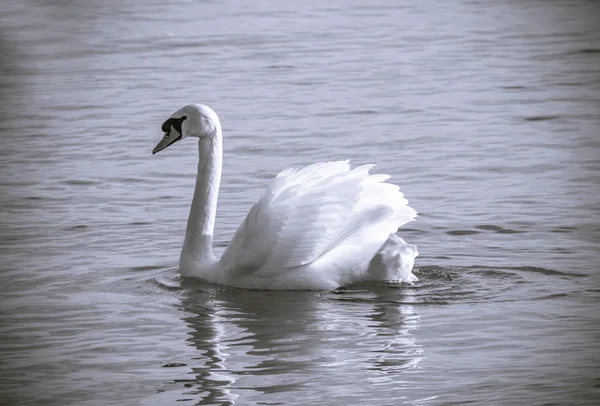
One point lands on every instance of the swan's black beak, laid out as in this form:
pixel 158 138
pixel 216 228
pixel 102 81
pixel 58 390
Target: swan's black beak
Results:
pixel 170 137
pixel 172 130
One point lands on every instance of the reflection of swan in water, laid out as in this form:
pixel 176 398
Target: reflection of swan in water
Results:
pixel 267 346
pixel 315 228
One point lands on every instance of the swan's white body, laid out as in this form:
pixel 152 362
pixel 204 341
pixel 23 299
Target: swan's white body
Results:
pixel 319 227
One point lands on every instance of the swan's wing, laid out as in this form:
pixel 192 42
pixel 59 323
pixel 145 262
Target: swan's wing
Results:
pixel 307 212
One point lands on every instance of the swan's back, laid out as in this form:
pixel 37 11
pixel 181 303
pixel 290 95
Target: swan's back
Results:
pixel 304 225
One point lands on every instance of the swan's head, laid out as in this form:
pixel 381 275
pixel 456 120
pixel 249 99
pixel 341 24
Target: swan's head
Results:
pixel 193 120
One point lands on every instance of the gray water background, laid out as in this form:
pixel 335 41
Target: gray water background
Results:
pixel 485 113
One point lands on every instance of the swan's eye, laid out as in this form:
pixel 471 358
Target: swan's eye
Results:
pixel 175 122
pixel 167 135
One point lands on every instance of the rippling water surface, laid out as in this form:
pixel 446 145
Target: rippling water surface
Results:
pixel 485 113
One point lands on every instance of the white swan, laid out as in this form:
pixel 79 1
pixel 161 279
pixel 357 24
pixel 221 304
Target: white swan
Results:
pixel 319 227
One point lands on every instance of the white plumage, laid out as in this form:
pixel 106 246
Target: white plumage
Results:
pixel 318 227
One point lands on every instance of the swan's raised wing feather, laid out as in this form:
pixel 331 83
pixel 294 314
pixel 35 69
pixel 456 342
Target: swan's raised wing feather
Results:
pixel 307 212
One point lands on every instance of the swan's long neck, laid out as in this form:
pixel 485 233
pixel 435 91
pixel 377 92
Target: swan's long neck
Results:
pixel 196 254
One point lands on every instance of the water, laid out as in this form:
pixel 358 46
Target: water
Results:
pixel 485 113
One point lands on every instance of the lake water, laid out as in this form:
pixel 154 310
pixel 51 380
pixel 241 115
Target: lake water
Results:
pixel 485 113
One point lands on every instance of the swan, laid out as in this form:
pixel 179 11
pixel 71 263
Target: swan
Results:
pixel 318 227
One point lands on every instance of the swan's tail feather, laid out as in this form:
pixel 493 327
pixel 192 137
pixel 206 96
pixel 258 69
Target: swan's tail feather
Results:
pixel 394 261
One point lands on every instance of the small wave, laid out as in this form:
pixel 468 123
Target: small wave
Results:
pixel 434 272
pixel 550 296
pixel 145 268
pixel 168 280
pixel 280 67
pixel 471 284
pixel 482 228
pixel 563 229
pixel 546 271
pixel 174 365
pixel 77 227
pixel 513 87
pixel 462 232
pixel 541 118
pixel 512 271
pixel 498 229
pixel 80 182
pixel 139 223
pixel 585 51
